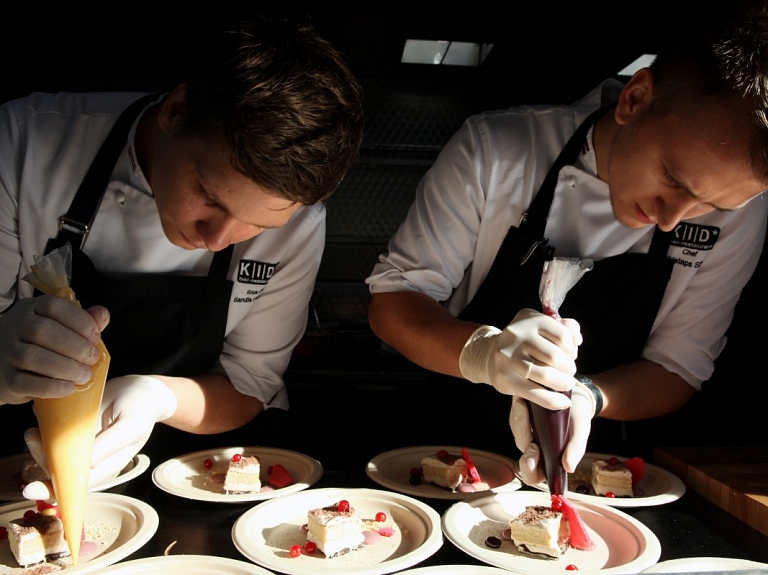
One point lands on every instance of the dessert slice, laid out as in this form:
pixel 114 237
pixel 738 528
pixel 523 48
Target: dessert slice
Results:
pixel 68 424
pixel 610 477
pixel 37 539
pixel 336 530
pixel 445 469
pixel 243 475
pixel 540 531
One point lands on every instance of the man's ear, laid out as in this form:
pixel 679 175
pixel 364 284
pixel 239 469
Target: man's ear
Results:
pixel 636 97
pixel 173 110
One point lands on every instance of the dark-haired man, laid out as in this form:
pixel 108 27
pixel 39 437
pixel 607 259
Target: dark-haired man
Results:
pixel 197 227
pixel 657 181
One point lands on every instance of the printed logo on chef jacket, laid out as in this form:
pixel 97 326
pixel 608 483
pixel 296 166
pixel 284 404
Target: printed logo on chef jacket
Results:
pixel 693 238
pixel 256 274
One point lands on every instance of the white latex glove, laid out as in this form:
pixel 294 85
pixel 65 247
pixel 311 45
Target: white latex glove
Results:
pixel 531 357
pixel 47 345
pixel 582 409
pixel 131 406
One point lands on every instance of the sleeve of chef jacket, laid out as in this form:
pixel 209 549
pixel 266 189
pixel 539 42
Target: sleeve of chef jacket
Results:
pixel 11 154
pixel 698 305
pixel 259 343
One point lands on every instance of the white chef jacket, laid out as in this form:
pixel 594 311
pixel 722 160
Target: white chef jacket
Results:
pixel 47 144
pixel 485 179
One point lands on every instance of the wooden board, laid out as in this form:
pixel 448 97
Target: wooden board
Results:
pixel 733 478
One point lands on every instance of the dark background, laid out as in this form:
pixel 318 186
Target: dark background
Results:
pixel 341 374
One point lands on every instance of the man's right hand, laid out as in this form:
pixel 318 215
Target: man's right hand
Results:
pixel 47 346
pixel 533 357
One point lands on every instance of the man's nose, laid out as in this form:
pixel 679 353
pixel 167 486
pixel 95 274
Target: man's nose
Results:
pixel 670 212
pixel 218 232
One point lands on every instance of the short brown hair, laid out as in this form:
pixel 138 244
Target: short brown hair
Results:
pixel 723 58
pixel 284 102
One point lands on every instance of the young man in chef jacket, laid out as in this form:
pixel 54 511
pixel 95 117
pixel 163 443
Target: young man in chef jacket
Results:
pixel 197 249
pixel 661 186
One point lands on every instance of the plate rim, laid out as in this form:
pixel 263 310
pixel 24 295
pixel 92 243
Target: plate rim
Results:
pixel 437 492
pixel 208 561
pixel 432 543
pixel 140 460
pixel 147 519
pixel 676 492
pixel 315 473
pixel 747 563
pixel 653 545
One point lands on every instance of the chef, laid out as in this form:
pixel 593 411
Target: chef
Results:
pixel 658 181
pixel 197 228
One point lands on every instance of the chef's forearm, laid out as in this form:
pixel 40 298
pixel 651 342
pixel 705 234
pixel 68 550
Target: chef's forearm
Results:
pixel 641 390
pixel 209 404
pixel 421 329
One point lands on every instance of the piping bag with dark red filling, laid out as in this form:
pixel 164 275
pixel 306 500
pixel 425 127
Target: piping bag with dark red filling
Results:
pixel 550 428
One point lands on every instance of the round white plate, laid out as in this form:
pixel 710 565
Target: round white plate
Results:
pixel 704 564
pixel 657 487
pixel 391 469
pixel 10 474
pixel 119 525
pixel 456 570
pixel 185 565
pixel 186 477
pixel 622 544
pixel 266 532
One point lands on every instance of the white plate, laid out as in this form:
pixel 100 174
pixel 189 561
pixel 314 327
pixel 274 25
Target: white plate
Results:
pixel 657 487
pixel 266 532
pixel 10 474
pixel 704 564
pixel 186 477
pixel 456 570
pixel 185 565
pixel 622 544
pixel 119 525
pixel 392 469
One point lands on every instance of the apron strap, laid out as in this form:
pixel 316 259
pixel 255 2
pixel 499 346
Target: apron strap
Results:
pixel 75 225
pixel 534 221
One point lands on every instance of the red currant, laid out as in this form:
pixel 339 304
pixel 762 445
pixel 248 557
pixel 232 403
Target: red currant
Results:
pixel 557 504
pixel 29 515
pixel 236 457
pixel 610 494
pixel 381 517
pixel 3 533
pixel 613 461
pixel 342 506
pixel 208 463
pixel 310 547
pixel 295 550
pixel 416 471
pixel 571 567
pixel 442 454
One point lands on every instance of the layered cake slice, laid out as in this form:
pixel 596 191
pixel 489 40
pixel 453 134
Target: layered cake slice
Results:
pixel 540 531
pixel 445 469
pixel 335 530
pixel 609 477
pixel 243 475
pixel 37 539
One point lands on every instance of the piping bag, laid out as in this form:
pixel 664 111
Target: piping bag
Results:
pixel 550 427
pixel 68 424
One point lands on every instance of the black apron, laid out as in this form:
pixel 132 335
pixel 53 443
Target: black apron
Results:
pixel 160 324
pixel 615 304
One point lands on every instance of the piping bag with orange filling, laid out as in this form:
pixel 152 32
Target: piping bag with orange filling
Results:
pixel 550 428
pixel 68 424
